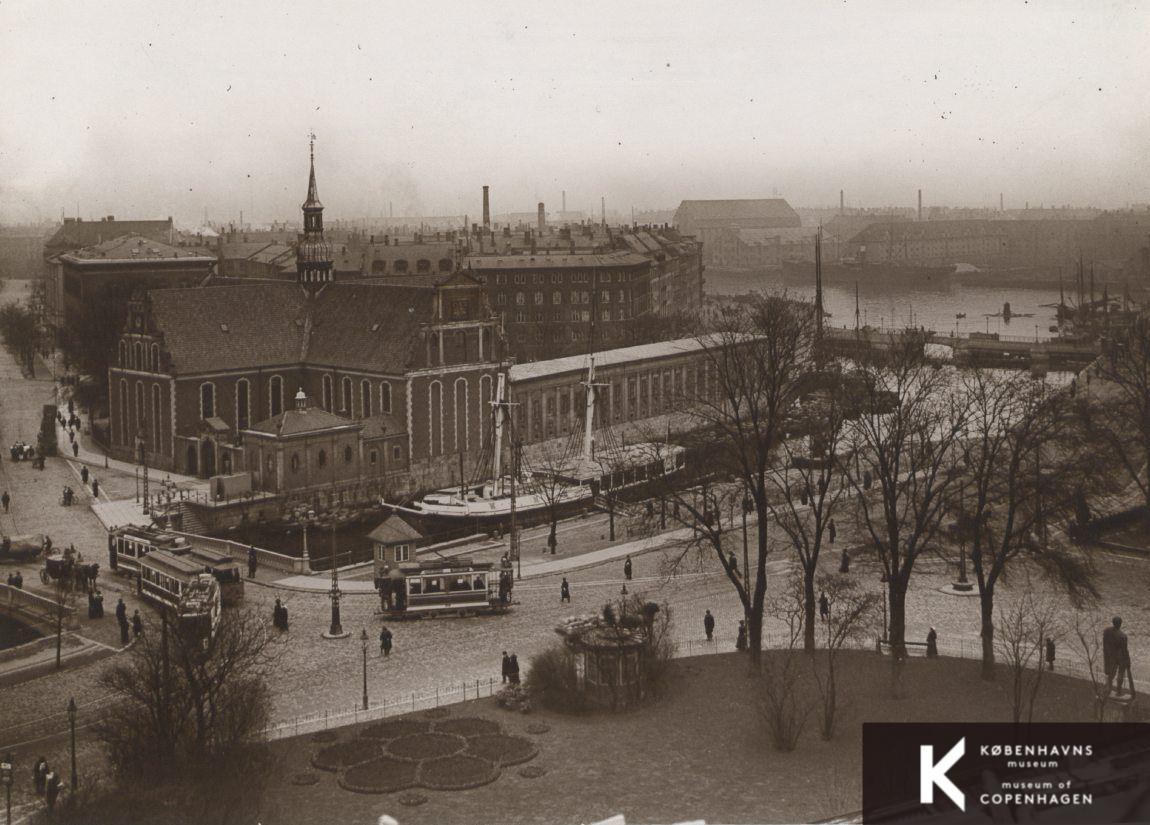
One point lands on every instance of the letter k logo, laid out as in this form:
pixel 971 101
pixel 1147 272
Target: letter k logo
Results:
pixel 932 774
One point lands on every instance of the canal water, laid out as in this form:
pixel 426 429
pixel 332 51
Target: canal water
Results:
pixel 898 306
pixel 14 633
pixel 351 542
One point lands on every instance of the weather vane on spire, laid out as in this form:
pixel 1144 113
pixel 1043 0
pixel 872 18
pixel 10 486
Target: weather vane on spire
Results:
pixel 311 144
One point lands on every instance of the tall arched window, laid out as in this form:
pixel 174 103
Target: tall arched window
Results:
pixel 243 404
pixel 485 408
pixel 347 393
pixel 365 397
pixel 461 441
pixel 141 413
pixel 124 355
pixel 275 396
pixel 328 393
pixel 435 417
pixel 385 397
pixel 156 443
pixel 125 412
pixel 155 357
pixel 137 356
pixel 207 399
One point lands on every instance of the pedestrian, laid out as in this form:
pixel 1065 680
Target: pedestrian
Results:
pixel 75 449
pixel 137 624
pixel 38 772
pixel 51 789
pixel 10 577
pixel 932 643
pixel 5 500
pixel 18 580
pixel 1050 654
pixel 741 639
pixel 824 607
pixel 845 562
pixel 121 612
pixel 385 641
pixel 708 625
pixel 866 480
pixel 804 496
pixel 506 667
pixel 277 615
pixel 627 568
pixel 95 488
pixel 564 591
pixel 733 563
pixel 831 530
pixel 514 669
pixel 71 407
pixel 253 561
pixel 84 475
pixel 98 601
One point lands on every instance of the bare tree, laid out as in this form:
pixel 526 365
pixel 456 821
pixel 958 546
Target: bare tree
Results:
pixel 1119 414
pixel 1022 468
pixel 755 363
pixel 550 477
pixel 782 705
pixel 851 617
pixel 903 439
pixel 809 483
pixel 1024 629
pixel 1086 641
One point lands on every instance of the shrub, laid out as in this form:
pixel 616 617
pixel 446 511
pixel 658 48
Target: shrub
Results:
pixel 551 677
pixel 782 706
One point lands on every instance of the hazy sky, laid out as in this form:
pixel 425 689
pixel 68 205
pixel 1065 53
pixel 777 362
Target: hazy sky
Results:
pixel 147 108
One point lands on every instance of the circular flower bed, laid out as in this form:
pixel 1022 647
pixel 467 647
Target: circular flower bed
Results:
pixel 383 775
pixel 307 778
pixel 503 750
pixel 346 754
pixel 468 726
pixel 426 746
pixel 412 799
pixel 457 773
pixel 395 728
pixel 532 772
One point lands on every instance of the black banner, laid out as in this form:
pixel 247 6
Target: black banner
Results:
pixel 1087 774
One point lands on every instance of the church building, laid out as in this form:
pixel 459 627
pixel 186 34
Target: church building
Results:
pixel 235 376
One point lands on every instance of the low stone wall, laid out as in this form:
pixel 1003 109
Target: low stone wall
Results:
pixel 239 552
pixel 37 610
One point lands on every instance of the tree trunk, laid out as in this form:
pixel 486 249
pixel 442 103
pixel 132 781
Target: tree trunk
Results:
pixel 897 620
pixel 552 538
pixel 755 639
pixel 809 609
pixel 987 633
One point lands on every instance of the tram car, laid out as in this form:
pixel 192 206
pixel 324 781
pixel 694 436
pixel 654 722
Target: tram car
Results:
pixel 224 569
pixel 440 587
pixel 127 545
pixel 176 583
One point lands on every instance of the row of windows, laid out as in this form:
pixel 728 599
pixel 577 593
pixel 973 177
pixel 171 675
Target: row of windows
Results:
pixel 577 297
pixel 576 316
pixel 379 267
pixel 134 418
pixel 347 397
pixel 209 405
pixel 557 278
pixel 140 356
pixel 450 584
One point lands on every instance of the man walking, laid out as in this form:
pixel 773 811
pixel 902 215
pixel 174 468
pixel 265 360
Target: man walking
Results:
pixel 5 500
pixel 137 624
pixel 831 530
pixel 564 591
pixel 626 564
pixel 514 669
pixel 385 641
pixel 1050 654
pixel 824 607
pixel 253 561
pixel 708 625
pixel 932 643
pixel 506 667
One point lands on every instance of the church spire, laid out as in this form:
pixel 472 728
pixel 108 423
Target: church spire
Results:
pixel 313 254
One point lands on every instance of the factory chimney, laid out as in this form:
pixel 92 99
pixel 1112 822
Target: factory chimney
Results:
pixel 603 209
pixel 564 200
pixel 486 207
pixel 542 218
pixel 920 204
pixel 1001 207
pixel 842 203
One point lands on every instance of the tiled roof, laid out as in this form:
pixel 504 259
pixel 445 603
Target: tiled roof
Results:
pixel 377 426
pixel 297 422
pixel 268 323
pixel 393 529
pixel 493 262
pixel 578 363
pixel 77 234
pixel 131 248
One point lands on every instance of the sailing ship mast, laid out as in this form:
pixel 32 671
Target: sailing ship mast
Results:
pixel 499 405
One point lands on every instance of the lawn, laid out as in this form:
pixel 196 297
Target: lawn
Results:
pixel 698 752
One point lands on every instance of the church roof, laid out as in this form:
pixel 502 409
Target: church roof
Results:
pixel 262 324
pixel 298 422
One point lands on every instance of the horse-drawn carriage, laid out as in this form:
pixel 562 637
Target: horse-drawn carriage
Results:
pixel 19 549
pixel 21 451
pixel 68 569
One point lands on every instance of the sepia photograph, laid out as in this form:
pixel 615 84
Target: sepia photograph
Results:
pixel 761 389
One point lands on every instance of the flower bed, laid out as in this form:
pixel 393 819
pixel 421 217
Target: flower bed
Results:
pixel 468 726
pixel 426 746
pixel 457 773
pixel 383 775
pixel 346 754
pixel 395 728
pixel 503 750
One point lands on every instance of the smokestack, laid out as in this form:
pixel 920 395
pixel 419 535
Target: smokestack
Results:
pixel 920 204
pixel 1001 208
pixel 603 209
pixel 564 200
pixel 486 207
pixel 542 218
pixel 842 203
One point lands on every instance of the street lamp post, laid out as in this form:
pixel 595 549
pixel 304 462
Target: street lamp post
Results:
pixel 72 727
pixel 336 630
pixel 363 641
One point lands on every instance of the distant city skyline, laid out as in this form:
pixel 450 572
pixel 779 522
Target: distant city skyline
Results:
pixel 166 109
